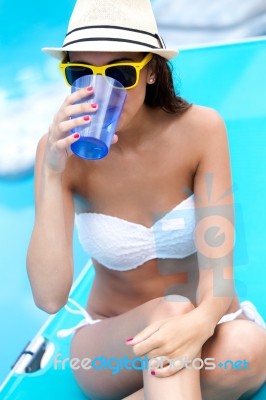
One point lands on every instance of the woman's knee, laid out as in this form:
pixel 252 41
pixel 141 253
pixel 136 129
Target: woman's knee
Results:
pixel 170 306
pixel 241 348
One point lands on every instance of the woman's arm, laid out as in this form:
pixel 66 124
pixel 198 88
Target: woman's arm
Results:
pixel 50 259
pixel 184 335
pixel 214 233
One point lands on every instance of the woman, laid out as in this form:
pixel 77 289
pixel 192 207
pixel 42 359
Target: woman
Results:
pixel 162 287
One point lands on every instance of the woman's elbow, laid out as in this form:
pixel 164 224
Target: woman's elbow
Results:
pixel 50 307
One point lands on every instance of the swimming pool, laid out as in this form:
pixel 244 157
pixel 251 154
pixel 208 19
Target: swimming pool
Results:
pixel 227 78
pixel 20 318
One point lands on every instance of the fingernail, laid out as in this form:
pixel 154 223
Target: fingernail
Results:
pixel 153 373
pixel 77 135
pixel 129 339
pixel 90 88
pixel 86 118
pixel 94 105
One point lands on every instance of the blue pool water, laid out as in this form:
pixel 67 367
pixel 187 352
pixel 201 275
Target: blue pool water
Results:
pixel 20 318
pixel 25 28
pixel 24 71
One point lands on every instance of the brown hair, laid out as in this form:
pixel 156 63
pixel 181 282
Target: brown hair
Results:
pixel 162 93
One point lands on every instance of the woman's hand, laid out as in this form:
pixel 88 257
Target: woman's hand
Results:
pixel 177 337
pixel 59 138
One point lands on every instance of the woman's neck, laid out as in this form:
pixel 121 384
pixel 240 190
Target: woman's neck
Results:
pixel 140 130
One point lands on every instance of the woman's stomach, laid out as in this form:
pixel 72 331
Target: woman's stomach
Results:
pixel 115 292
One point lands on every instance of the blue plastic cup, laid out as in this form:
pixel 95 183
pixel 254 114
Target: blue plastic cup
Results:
pixel 96 137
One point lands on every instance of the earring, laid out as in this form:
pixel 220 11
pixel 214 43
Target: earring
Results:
pixel 152 80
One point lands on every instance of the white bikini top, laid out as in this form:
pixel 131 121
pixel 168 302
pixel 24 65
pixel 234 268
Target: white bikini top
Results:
pixel 122 245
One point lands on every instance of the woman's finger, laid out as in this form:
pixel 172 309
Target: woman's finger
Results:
pixel 164 372
pixel 115 139
pixel 77 109
pixel 163 366
pixel 66 142
pixel 66 126
pixel 151 346
pixel 144 334
pixel 79 95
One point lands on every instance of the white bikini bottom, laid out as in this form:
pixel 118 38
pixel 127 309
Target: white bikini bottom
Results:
pixel 246 308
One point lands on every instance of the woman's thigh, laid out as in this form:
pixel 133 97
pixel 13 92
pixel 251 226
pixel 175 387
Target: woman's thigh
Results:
pixel 240 346
pixel 107 339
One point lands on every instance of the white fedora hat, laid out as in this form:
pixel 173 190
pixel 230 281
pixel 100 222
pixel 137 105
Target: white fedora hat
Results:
pixel 112 25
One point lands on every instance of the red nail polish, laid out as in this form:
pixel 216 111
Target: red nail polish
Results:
pixel 129 340
pixel 86 118
pixel 90 88
pixel 94 105
pixel 77 135
pixel 153 373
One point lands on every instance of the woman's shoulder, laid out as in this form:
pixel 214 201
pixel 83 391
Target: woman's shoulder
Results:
pixel 200 122
pixel 203 116
pixel 197 131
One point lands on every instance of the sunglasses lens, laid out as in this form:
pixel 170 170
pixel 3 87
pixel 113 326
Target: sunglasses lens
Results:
pixel 75 72
pixel 125 74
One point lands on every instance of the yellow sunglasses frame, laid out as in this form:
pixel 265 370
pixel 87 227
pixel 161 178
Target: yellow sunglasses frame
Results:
pixel 101 70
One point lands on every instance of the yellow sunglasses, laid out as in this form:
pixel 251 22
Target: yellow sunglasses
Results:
pixel 127 73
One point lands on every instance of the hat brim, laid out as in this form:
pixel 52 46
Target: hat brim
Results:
pixel 60 52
